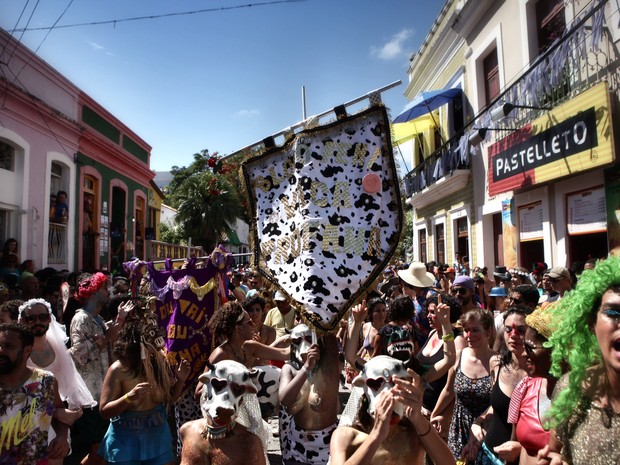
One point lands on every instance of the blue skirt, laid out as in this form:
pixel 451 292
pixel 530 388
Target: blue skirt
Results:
pixel 138 436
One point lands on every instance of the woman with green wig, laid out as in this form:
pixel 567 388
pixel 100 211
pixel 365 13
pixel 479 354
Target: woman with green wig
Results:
pixel 585 413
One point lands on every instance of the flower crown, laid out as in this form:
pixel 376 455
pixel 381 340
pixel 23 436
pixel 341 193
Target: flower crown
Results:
pixel 89 286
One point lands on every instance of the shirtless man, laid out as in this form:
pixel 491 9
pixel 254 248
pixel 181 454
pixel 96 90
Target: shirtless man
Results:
pixel 218 438
pixel 390 427
pixel 309 398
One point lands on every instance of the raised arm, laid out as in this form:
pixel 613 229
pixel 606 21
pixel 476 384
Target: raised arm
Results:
pixel 350 348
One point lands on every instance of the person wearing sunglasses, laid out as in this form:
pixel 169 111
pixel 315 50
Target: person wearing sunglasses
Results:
pixel 49 353
pixel 491 428
pixel 531 397
pixel 561 282
pixel 586 340
pixel 463 290
pixel 31 433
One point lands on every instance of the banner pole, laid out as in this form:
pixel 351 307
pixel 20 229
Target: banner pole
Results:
pixel 320 115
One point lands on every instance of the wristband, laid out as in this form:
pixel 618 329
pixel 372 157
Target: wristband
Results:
pixel 447 337
pixel 427 431
pixel 126 399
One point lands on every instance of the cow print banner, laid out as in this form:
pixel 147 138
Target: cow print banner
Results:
pixel 326 213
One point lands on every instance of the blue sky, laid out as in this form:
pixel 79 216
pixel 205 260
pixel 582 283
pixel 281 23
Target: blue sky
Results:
pixel 225 79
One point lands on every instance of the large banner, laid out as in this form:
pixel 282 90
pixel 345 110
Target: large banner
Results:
pixel 326 213
pixel 185 302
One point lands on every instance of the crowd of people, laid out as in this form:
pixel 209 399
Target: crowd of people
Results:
pixel 443 364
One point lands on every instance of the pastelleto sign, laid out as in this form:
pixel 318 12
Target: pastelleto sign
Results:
pixel 572 138
pixel 326 213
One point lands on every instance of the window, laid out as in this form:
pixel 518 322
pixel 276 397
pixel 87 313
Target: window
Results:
pixel 56 178
pixel 440 248
pixel 422 244
pixel 462 237
pixel 550 22
pixel 490 68
pixel 7 156
pixel 4 226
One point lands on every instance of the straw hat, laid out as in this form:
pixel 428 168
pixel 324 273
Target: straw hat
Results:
pixel 416 275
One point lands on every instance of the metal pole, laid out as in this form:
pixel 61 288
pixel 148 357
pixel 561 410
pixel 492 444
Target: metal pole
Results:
pixel 303 103
pixel 320 115
pixel 200 258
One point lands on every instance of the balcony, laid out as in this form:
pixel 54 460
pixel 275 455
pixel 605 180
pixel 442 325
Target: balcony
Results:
pixel 448 167
pixel 584 56
pixel 157 250
pixel 57 244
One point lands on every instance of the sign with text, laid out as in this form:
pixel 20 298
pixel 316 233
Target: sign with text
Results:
pixel 569 139
pixel 586 212
pixel 326 213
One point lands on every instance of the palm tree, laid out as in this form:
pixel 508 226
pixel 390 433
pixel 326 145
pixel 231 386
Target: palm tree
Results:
pixel 207 207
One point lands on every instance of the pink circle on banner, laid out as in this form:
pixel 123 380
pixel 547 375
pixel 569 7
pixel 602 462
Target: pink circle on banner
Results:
pixel 371 183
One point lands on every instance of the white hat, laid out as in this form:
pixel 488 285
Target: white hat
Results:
pixel 280 297
pixel 416 275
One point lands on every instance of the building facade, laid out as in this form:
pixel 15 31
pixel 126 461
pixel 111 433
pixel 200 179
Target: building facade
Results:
pixel 55 139
pixel 540 88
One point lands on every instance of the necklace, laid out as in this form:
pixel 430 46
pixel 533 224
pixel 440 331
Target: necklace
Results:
pixel 217 432
pixel 237 356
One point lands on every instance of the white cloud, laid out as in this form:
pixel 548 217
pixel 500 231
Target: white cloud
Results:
pixel 393 48
pixel 95 46
pixel 247 113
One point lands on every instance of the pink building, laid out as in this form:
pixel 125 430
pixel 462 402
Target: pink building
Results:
pixel 54 137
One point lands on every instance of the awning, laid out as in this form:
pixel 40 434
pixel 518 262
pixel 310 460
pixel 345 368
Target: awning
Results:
pixel 404 132
pixel 425 102
pixel 232 237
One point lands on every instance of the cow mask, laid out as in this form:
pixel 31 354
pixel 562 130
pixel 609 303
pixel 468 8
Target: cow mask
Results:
pixel 301 340
pixel 376 377
pixel 225 384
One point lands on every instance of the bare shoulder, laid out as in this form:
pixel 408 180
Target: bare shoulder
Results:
pixel 218 355
pixel 345 437
pixel 195 449
pixel 344 442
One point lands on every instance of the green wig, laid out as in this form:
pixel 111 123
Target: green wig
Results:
pixel 573 341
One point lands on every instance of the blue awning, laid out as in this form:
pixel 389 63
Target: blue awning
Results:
pixel 425 102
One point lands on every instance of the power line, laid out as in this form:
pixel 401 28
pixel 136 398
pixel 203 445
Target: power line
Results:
pixel 23 30
pixel 16 23
pixel 44 38
pixel 166 15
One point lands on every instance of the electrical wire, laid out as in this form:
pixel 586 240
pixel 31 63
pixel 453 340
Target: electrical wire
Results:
pixel 23 31
pixel 16 23
pixel 44 38
pixel 165 15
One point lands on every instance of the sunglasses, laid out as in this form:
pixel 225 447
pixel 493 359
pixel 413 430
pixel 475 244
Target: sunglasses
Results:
pixel 555 280
pixel 42 317
pixel 459 290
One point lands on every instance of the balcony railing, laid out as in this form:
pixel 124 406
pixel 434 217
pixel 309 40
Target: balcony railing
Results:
pixel 584 56
pixel 57 244
pixel 451 156
pixel 157 250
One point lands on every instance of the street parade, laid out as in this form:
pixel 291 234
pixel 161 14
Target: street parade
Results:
pixel 437 285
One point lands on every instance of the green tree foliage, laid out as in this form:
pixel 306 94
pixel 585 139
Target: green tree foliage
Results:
pixel 208 198
pixel 172 234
